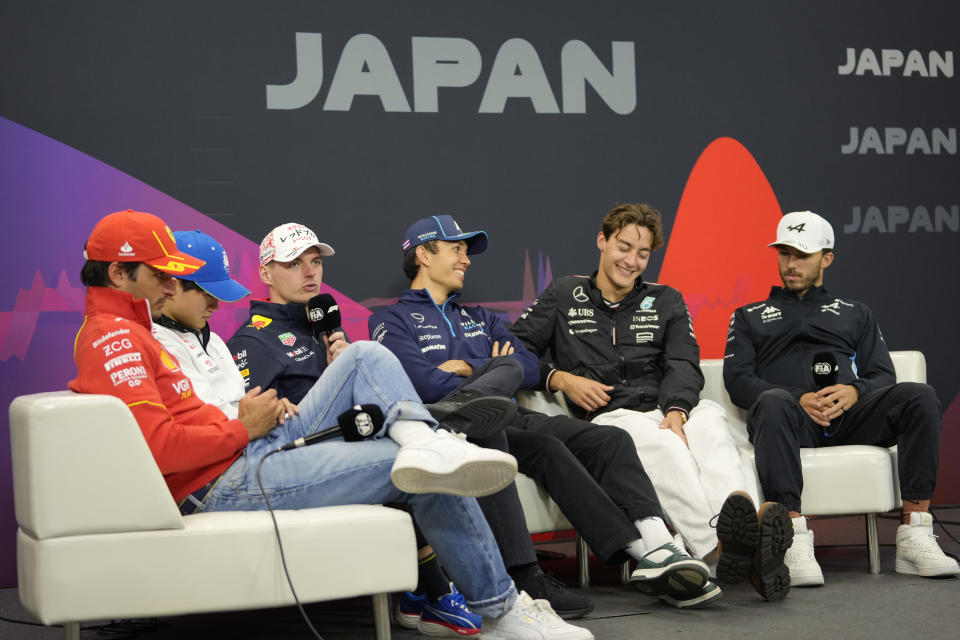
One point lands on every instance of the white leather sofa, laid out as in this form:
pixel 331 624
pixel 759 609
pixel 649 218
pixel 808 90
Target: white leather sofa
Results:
pixel 844 480
pixel 100 537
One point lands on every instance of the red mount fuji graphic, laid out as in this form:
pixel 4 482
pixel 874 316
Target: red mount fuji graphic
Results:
pixel 717 255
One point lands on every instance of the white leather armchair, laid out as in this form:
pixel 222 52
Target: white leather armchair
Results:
pixel 100 537
pixel 844 480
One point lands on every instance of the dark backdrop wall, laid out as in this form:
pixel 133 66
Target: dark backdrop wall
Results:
pixel 528 120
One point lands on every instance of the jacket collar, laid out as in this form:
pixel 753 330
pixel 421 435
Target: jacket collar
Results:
pixel 292 312
pixel 114 302
pixel 419 296
pixel 813 293
pixel 203 335
pixel 597 296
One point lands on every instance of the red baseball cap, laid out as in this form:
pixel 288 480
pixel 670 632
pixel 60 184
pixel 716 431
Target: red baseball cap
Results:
pixel 134 236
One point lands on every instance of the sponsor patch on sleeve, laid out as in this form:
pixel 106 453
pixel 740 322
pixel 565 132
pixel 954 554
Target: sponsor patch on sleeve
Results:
pixel 259 322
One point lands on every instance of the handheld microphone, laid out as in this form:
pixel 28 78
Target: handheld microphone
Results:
pixel 359 423
pixel 825 369
pixel 323 313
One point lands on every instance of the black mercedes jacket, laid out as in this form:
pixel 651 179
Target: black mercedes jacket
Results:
pixel 645 347
pixel 772 344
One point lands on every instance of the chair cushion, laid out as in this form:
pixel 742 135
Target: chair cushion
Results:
pixel 218 562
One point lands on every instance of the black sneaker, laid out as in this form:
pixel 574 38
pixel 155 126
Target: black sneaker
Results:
pixel 738 532
pixel 543 586
pixel 753 545
pixel 768 573
pixel 477 416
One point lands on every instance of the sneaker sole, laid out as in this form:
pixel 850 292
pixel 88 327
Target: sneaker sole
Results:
pixel 470 480
pixel 738 530
pixel 805 581
pixel 705 600
pixel 574 614
pixel 406 620
pixel 769 575
pixel 441 630
pixel 678 580
pixel 481 418
pixel 909 568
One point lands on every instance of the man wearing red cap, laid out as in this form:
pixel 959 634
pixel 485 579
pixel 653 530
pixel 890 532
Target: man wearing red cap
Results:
pixel 131 261
pixel 210 462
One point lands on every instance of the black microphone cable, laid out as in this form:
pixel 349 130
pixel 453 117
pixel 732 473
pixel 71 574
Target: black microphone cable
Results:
pixel 283 559
pixel 359 423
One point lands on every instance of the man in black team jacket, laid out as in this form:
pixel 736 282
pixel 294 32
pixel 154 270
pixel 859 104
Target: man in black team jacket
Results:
pixel 768 369
pixel 624 354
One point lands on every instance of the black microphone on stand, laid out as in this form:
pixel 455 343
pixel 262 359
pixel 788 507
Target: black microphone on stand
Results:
pixel 323 313
pixel 825 369
pixel 359 423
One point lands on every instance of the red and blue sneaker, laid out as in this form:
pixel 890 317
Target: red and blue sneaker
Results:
pixel 447 617
pixel 407 613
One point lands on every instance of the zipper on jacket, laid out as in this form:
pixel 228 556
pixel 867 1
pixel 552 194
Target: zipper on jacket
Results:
pixel 443 315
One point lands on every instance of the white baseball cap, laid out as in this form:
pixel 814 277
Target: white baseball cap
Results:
pixel 286 242
pixel 805 231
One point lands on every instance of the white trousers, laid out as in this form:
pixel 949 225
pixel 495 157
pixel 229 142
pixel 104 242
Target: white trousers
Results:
pixel 691 483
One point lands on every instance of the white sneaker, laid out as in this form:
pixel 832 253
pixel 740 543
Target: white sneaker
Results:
pixel 804 570
pixel 918 552
pixel 447 463
pixel 530 619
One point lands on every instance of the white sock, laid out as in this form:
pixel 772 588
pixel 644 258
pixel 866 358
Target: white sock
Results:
pixel 636 549
pixel 799 524
pixel 654 532
pixel 406 431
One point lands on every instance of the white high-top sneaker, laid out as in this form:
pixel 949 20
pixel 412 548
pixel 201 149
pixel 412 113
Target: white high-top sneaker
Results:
pixel 918 552
pixel 447 463
pixel 530 619
pixel 804 570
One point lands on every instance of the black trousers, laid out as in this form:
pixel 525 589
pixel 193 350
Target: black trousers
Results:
pixel 503 511
pixel 907 415
pixel 591 471
pixel 593 474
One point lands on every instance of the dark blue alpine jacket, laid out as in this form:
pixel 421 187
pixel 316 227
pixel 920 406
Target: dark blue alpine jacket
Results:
pixel 772 345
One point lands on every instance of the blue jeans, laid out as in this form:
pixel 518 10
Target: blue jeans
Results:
pixel 335 472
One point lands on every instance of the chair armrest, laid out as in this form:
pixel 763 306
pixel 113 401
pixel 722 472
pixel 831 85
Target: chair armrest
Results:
pixel 911 366
pixel 81 466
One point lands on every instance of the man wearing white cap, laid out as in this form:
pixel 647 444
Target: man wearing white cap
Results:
pixel 277 349
pixel 776 349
